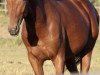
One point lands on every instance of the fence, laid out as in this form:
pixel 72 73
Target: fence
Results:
pixel 3 7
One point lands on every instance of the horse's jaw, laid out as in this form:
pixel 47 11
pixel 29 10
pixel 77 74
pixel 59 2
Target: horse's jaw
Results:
pixel 15 31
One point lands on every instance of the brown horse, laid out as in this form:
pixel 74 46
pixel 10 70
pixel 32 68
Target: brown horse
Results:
pixel 91 16
pixel 94 22
pixel 63 31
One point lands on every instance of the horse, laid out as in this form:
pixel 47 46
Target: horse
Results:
pixel 89 11
pixel 63 31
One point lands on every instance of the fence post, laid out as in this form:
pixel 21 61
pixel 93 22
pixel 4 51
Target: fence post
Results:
pixel 5 8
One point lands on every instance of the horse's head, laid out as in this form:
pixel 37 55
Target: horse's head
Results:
pixel 16 10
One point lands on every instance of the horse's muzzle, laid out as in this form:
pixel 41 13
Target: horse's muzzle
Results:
pixel 14 31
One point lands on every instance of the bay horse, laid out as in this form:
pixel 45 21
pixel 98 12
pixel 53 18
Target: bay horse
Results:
pixel 92 16
pixel 63 31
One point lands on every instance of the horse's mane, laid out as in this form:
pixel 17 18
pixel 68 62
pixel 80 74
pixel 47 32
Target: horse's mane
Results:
pixel 31 6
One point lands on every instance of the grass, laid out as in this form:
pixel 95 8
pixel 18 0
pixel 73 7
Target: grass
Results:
pixel 10 42
pixel 97 3
pixel 3 19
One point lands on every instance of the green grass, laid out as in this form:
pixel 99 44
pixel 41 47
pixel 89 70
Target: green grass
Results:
pixel 3 18
pixel 8 42
pixel 97 3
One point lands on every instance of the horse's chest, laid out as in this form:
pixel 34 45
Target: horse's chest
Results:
pixel 44 51
pixel 45 44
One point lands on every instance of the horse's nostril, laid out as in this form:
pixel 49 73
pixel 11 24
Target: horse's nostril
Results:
pixel 17 28
pixel 12 31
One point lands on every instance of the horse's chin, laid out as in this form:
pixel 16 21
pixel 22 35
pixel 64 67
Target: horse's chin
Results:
pixel 15 31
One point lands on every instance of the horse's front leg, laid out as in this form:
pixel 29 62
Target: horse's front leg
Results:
pixel 59 66
pixel 59 63
pixel 37 65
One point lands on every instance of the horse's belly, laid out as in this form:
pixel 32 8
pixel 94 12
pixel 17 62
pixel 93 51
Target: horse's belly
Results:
pixel 77 30
pixel 77 41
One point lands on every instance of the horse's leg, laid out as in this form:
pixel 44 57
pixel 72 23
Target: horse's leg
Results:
pixel 37 65
pixel 71 65
pixel 59 66
pixel 85 62
pixel 59 63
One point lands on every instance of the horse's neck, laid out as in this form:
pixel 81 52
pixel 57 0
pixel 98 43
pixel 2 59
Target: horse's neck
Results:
pixel 50 9
pixel 45 23
pixel 46 10
pixel 43 12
